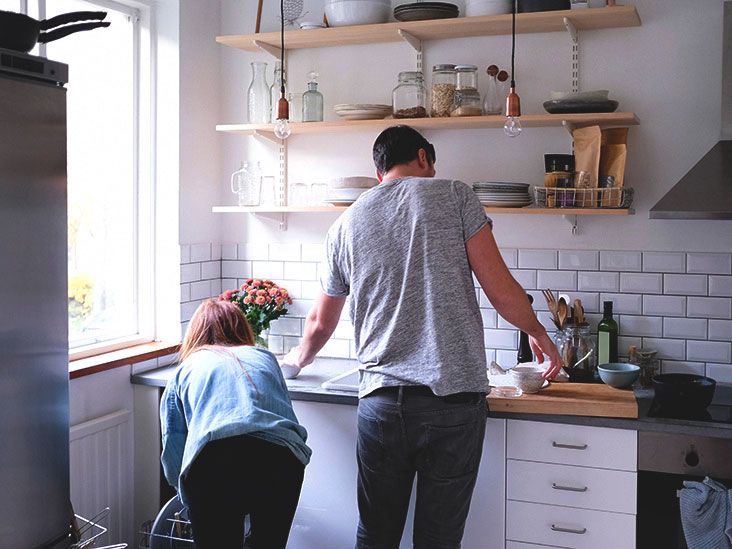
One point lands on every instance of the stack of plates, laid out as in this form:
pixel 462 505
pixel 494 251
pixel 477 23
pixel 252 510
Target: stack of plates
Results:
pixel 343 196
pixel 420 11
pixel 362 111
pixel 502 194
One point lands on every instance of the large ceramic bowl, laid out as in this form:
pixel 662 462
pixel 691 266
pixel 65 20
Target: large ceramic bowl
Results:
pixel 528 377
pixel 342 13
pixel 618 374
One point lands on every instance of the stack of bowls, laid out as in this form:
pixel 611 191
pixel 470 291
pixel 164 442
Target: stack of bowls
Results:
pixel 342 13
pixel 488 7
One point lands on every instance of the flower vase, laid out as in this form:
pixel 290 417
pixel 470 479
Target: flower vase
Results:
pixel 262 339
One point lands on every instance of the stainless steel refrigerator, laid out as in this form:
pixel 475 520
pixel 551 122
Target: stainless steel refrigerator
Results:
pixel 34 379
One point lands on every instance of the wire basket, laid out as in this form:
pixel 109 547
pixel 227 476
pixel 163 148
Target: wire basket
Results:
pixel 553 197
pixel 85 532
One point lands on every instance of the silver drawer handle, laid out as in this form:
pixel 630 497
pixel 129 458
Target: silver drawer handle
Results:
pixel 568 530
pixel 569 446
pixel 568 488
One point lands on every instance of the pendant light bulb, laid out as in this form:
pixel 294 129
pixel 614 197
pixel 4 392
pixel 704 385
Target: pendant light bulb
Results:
pixel 282 129
pixel 512 127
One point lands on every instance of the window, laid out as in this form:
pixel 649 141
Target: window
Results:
pixel 109 187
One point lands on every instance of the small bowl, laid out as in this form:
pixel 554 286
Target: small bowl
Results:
pixel 619 374
pixel 528 377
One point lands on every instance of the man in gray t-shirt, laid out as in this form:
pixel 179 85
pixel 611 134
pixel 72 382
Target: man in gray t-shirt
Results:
pixel 405 254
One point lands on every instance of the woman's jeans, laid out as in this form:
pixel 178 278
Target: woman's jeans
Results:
pixel 408 430
pixel 238 476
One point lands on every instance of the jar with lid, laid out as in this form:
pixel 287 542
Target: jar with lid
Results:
pixel 409 97
pixel 443 90
pixel 467 99
pixel 576 346
pixel 646 359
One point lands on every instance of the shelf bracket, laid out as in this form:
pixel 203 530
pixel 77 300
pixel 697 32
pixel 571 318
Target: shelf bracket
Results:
pixel 416 43
pixel 574 35
pixel 269 137
pixel 282 223
pixel 572 220
pixel 569 126
pixel 267 48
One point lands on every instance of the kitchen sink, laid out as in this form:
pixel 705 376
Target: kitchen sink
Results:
pixel 347 381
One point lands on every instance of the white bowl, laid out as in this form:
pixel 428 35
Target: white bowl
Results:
pixel 528 377
pixel 345 194
pixel 353 182
pixel 488 7
pixel 342 13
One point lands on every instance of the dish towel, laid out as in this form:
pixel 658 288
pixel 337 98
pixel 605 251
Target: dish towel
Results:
pixel 706 514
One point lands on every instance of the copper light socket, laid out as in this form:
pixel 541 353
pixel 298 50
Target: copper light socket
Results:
pixel 513 103
pixel 283 109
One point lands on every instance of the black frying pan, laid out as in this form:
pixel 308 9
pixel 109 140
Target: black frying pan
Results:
pixel 21 33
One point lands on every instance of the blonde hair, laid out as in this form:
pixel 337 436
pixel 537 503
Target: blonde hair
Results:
pixel 216 323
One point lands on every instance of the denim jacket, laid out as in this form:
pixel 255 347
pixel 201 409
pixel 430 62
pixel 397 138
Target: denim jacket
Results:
pixel 225 392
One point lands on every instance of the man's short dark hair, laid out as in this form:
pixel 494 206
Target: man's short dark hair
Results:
pixel 400 145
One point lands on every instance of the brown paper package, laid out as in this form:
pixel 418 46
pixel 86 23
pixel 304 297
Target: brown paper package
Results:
pixel 613 154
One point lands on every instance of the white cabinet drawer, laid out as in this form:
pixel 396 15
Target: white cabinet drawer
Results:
pixel 568 527
pixel 583 487
pixel 520 545
pixel 572 444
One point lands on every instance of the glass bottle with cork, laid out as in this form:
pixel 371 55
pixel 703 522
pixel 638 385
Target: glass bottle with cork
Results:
pixel 312 101
pixel 607 336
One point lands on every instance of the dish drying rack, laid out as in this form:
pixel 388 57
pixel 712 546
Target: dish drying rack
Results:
pixel 82 527
pixel 611 197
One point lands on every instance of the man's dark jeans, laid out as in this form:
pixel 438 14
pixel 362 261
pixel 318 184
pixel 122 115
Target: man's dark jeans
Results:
pixel 407 430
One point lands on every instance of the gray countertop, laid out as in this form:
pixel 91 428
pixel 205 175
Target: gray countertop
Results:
pixel 307 386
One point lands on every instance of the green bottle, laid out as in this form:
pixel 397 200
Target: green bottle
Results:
pixel 607 336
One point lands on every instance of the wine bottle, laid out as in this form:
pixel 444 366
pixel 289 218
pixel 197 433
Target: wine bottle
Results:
pixel 607 336
pixel 524 351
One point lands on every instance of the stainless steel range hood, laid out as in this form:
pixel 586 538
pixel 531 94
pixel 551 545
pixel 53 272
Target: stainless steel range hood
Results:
pixel 705 192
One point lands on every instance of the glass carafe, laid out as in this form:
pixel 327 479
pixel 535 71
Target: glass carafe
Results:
pixel 258 95
pixel 576 346
pixel 246 183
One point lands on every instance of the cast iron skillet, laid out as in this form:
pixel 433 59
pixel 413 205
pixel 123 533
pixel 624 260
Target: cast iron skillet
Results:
pixel 683 392
pixel 21 33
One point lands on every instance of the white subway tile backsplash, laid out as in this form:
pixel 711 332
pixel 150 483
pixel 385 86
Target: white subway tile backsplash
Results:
pixel 709 307
pixel 679 367
pixel 210 270
pixel 200 252
pixel 216 287
pixel 644 283
pixel 301 307
pixel 201 290
pixel 228 251
pixel 648 326
pixel 273 270
pixel 628 304
pixel 500 339
pixel 684 284
pixel 187 310
pixel 537 259
pixel 527 278
pixel 190 272
pixel 185 253
pixel 490 355
pixel 504 324
pixel 664 305
pixel 489 318
pixel 286 325
pixel 720 330
pixel 620 261
pixel 671 349
pixel 545 318
pixel 708 263
pixel 288 342
pixel 256 251
pixel 483 300
pixel 557 280
pixel 310 289
pixel 293 287
pixel 284 252
pixel 664 262
pixel 509 256
pixel 720 286
pixel 684 328
pixel 215 252
pixel 625 342
pixel 312 252
pixel 236 269
pixel 721 373
pixel 344 330
pixel 276 344
pixel 505 359
pixel 579 260
pixel 539 303
pixel 301 271
pixel 339 348
pixel 185 292
pixel 598 282
pixel 709 351
pixel 590 301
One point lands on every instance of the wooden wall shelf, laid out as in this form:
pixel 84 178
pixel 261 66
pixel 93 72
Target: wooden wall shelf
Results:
pixel 529 210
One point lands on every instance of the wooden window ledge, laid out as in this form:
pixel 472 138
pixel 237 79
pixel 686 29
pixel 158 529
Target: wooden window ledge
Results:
pixel 122 357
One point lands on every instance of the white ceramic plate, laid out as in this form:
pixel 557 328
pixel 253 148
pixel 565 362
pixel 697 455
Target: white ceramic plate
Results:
pixel 344 193
pixel 363 115
pixel 361 107
pixel 338 202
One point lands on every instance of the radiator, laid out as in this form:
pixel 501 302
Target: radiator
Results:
pixel 101 460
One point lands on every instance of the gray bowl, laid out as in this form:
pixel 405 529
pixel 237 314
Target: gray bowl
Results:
pixel 618 374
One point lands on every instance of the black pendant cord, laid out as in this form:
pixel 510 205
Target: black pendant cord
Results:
pixel 282 47
pixel 513 41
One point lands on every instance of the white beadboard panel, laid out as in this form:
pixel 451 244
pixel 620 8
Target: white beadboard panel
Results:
pixel 201 290
pixel 664 262
pixel 273 270
pixel 256 251
pixel 709 307
pixel 720 330
pixel 500 339
pixel 671 349
pixel 537 259
pixel 645 283
pixel 720 286
pixel 590 301
pixel 301 271
pixel 678 367
pixel 505 358
pixel 685 284
pixel 709 351
pixel 344 330
pixel 228 251
pixel 685 328
pixel 312 252
pixel 280 251
pixel 624 343
pixel 709 263
pixel 293 287
pixel 340 348
pixel 721 373
pixel 579 260
pixel 185 292
pixel 301 307
pixel 310 289
pixel 236 269
pixel 200 252
pixel 190 272
pixel 557 280
pixel 620 261
pixel 210 270
pixel 187 310
pixel 628 304
pixel 664 305
pixel 489 318
pixel 215 252
pixel 597 282
pixel 527 278
pixel 185 253
pixel 641 325
pixel 510 257
pixel 286 325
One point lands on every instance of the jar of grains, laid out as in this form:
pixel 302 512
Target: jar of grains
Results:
pixel 443 90
pixel 467 99
pixel 408 98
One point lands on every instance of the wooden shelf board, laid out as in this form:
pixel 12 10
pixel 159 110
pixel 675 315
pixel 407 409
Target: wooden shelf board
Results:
pixel 438 29
pixel 279 209
pixel 529 210
pixel 457 123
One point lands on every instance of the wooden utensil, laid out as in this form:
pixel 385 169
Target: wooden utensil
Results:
pixel 551 302
pixel 579 312
pixel 562 311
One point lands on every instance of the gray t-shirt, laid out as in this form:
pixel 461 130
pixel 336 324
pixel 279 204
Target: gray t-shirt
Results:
pixel 399 253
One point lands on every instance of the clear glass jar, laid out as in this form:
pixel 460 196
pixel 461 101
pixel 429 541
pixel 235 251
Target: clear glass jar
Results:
pixel 576 346
pixel 649 365
pixel 312 101
pixel 409 97
pixel 443 90
pixel 467 99
pixel 258 96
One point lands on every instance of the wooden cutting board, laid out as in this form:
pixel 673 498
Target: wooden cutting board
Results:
pixel 573 399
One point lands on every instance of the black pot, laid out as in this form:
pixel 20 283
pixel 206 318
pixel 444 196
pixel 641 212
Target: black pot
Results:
pixel 525 6
pixel 21 33
pixel 686 392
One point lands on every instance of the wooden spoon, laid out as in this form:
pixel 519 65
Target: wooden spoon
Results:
pixel 562 311
pixel 579 312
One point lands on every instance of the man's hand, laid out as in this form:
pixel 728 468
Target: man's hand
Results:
pixel 290 363
pixel 543 348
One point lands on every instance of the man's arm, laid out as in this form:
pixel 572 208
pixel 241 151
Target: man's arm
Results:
pixel 508 297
